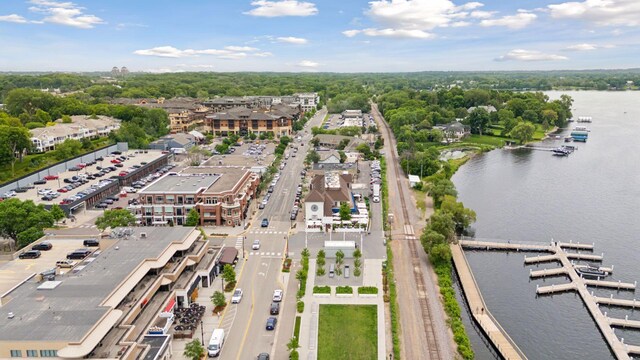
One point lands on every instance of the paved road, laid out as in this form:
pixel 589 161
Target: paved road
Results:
pixel 260 275
pixel 413 329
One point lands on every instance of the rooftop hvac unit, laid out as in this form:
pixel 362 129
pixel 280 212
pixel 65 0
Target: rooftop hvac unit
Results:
pixel 143 235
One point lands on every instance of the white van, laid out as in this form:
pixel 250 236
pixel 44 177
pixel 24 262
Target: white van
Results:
pixel 332 270
pixel 216 342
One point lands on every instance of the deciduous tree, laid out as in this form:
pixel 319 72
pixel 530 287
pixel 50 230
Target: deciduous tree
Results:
pixel 115 218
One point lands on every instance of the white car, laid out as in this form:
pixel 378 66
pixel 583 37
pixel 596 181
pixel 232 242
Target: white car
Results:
pixel 237 296
pixel 256 245
pixel 44 191
pixel 277 295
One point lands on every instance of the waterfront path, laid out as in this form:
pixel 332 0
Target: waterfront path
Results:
pixel 489 325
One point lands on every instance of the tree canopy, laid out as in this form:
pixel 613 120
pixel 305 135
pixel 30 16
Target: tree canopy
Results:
pixel 115 218
pixel 23 221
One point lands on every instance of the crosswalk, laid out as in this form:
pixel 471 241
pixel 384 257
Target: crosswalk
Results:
pixel 86 226
pixel 264 253
pixel 409 232
pixel 239 242
pixel 266 232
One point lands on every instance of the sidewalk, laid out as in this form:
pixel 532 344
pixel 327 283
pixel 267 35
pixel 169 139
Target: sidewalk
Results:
pixel 309 322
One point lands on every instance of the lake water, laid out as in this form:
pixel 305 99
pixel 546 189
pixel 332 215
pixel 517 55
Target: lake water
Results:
pixel 592 196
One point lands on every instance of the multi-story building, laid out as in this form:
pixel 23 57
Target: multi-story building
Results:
pixel 221 195
pixel 326 193
pixel 81 127
pixel 242 121
pixel 119 302
pixel 307 101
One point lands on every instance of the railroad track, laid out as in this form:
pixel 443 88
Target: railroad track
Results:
pixel 412 239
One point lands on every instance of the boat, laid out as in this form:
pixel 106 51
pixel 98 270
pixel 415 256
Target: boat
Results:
pixel 560 152
pixel 590 271
pixel 584 119
pixel 580 135
pixel 568 138
pixel 581 128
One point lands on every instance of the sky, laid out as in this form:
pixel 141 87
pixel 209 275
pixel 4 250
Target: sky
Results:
pixel 318 35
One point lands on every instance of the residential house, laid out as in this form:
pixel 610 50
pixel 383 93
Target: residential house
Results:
pixel 454 131
pixel 332 141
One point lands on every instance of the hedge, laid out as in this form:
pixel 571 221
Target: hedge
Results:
pixel 321 290
pixel 367 290
pixel 344 290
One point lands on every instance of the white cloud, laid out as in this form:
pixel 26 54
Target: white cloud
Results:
pixel 196 66
pixel 14 18
pixel 163 70
pixel 292 40
pixel 122 26
pixel 600 12
pixel 65 13
pixel 282 8
pixel 479 14
pixel 587 47
pixel 393 33
pixel 228 52
pixel 529 55
pixel 517 21
pixel 308 64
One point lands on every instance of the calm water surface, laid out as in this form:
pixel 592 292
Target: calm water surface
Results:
pixel 591 196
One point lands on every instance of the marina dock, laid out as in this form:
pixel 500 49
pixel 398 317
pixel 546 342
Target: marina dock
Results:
pixel 501 341
pixel 577 284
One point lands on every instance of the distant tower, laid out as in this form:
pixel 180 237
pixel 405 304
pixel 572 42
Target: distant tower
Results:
pixel 124 71
pixel 115 72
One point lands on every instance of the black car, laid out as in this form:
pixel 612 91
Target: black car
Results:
pixel 20 190
pixel 114 198
pixel 40 182
pixel 99 158
pixel 74 168
pixel 263 356
pixel 31 254
pixel 116 152
pixel 47 198
pixel 271 323
pixel 42 246
pixel 91 242
pixel 101 206
pixel 98 167
pixel 118 165
pixel 78 254
pixel 275 308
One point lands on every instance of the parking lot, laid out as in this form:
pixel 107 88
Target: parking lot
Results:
pixel 248 154
pixel 70 186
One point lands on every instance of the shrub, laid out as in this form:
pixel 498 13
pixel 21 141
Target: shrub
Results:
pixel 321 289
pixel 357 272
pixel 300 306
pixel 320 271
pixel 344 290
pixel 367 290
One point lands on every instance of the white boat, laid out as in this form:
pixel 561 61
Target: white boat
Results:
pixel 584 119
pixel 581 128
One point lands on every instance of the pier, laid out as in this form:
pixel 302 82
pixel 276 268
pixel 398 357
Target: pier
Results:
pixel 577 284
pixel 501 341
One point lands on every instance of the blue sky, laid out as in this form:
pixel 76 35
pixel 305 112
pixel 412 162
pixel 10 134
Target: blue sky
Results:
pixel 315 35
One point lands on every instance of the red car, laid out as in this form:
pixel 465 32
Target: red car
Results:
pixel 115 161
pixel 51 177
pixel 124 173
pixel 65 202
pixel 82 166
pixel 62 190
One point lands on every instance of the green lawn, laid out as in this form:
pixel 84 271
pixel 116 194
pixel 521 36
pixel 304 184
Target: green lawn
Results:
pixel 348 332
pixel 486 140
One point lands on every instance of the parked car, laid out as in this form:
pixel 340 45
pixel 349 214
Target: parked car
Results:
pixel 51 177
pixel 237 296
pixel 277 295
pixel 101 206
pixel 65 263
pixel 40 182
pixel 261 206
pixel 271 323
pixel 20 190
pixel 255 245
pixel 75 168
pixel 78 254
pixel 275 308
pixel 263 356
pixel 31 254
pixel 45 245
pixel 265 222
pixel 115 161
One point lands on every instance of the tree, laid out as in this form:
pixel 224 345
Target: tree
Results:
pixel 193 218
pixel 218 299
pixel 443 224
pixel 293 344
pixel 229 274
pixel 478 120
pixel 343 156
pixel 345 212
pixel 66 119
pixel 57 213
pixel 14 142
pixel 523 131
pixel 68 149
pixel 440 254
pixel 23 221
pixel 312 157
pixel 315 141
pixel 194 350
pixel 462 216
pixel 339 258
pixel 115 218
pixel 440 188
pixel 431 238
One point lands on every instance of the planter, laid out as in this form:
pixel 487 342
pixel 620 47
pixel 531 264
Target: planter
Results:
pixel 344 295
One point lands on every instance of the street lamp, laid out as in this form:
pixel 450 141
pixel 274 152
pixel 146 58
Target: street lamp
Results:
pixel 222 279
pixel 202 330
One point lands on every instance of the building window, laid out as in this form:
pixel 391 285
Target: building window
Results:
pixel 48 353
pixel 159 199
pixel 229 212
pixel 32 353
pixel 215 200
pixel 208 200
pixel 180 201
pixel 16 353
pixel 149 199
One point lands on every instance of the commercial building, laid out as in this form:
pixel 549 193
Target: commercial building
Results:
pixel 352 118
pixel 243 121
pixel 307 101
pixel 81 127
pixel 327 192
pixel 174 142
pixel 220 194
pixel 119 302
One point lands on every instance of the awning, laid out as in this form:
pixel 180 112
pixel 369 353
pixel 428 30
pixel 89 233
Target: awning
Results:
pixel 170 305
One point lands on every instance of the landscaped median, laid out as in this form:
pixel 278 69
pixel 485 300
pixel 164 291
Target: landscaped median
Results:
pixel 344 291
pixel 368 291
pixel 321 291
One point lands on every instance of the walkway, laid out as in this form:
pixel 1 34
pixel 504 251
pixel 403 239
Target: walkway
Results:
pixel 372 276
pixel 507 348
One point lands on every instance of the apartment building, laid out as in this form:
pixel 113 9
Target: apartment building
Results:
pixel 117 303
pixel 81 127
pixel 307 101
pixel 220 194
pixel 242 121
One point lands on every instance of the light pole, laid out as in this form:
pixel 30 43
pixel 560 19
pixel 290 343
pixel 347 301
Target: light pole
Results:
pixel 202 331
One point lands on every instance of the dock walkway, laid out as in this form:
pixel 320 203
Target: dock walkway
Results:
pixel 507 348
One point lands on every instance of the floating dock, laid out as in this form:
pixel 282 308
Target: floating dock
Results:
pixel 577 284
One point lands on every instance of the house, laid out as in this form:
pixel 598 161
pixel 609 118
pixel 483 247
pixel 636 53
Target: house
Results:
pixel 329 157
pixel 81 127
pixel 454 131
pixel 327 192
pixel 332 141
pixel 487 108
pixel 174 142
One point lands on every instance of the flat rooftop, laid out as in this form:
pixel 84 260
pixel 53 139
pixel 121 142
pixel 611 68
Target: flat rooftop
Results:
pixel 133 159
pixel 228 176
pixel 67 312
pixel 181 183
